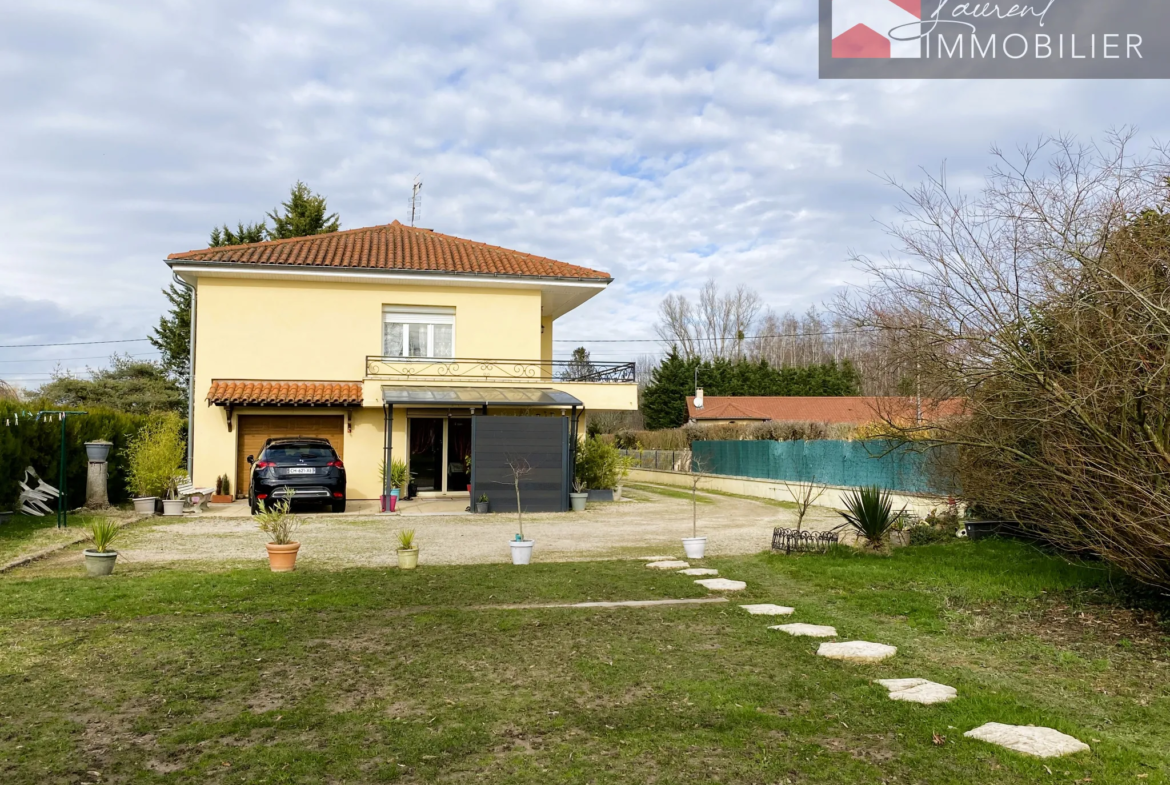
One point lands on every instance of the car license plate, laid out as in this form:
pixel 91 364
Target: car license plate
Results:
pixel 302 470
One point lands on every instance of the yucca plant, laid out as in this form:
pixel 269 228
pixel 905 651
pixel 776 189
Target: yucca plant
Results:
pixel 869 512
pixel 406 539
pixel 102 533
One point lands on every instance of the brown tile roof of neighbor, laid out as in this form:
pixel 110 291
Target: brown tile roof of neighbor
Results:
pixel 832 410
pixel 391 247
pixel 252 393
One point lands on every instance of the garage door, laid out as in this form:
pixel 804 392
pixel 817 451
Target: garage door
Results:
pixel 255 429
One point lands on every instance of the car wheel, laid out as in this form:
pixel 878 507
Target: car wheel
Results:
pixel 253 506
pixel 339 505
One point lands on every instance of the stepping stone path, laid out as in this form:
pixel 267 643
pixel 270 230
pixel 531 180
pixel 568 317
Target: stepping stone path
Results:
pixel 807 630
pixel 1028 739
pixel 918 691
pixel 698 571
pixel 668 565
pixel 768 610
pixel 857 651
pixel 722 584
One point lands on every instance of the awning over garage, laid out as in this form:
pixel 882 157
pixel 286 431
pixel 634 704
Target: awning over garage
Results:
pixel 247 392
pixel 478 396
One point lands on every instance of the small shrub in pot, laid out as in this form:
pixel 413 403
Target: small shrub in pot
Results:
pixel 407 550
pixel 99 560
pixel 276 522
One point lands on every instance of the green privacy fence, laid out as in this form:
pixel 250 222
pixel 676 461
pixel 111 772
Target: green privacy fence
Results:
pixel 843 463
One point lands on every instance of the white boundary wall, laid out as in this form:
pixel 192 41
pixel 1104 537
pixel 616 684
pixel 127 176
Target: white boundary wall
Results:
pixel 776 490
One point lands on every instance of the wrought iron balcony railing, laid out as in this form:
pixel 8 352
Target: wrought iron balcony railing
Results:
pixel 482 370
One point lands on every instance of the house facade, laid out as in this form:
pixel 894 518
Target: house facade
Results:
pixel 388 341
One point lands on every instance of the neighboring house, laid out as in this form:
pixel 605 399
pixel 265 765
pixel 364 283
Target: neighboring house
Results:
pixel 844 410
pixel 387 331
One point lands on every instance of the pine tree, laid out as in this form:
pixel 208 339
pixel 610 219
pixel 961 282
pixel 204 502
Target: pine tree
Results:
pixel 579 366
pixel 664 401
pixel 304 214
pixel 245 233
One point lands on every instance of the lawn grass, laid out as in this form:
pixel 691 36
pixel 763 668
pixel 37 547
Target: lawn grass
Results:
pixel 22 535
pixel 672 493
pixel 380 675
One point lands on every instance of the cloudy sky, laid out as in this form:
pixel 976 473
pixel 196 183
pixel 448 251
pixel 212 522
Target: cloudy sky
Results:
pixel 664 141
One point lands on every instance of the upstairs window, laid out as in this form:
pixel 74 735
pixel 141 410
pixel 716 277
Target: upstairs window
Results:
pixel 418 332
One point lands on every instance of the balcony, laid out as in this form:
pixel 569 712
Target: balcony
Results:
pixel 480 371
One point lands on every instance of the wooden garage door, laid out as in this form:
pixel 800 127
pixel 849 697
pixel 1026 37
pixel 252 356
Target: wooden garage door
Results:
pixel 254 429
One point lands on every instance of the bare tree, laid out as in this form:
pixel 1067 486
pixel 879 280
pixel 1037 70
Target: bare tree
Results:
pixel 717 327
pixel 519 468
pixel 699 470
pixel 1044 301
pixel 8 392
pixel 805 496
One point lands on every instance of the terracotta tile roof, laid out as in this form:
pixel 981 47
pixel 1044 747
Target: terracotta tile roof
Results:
pixel 832 410
pixel 253 393
pixel 392 247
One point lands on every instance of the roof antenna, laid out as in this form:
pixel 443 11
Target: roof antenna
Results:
pixel 416 200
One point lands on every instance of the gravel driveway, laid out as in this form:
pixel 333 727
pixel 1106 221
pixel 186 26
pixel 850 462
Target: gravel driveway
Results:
pixel 649 521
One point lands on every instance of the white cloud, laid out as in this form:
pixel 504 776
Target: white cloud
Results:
pixel 663 141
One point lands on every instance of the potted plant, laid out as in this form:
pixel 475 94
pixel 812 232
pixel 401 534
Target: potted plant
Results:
pixel 521 548
pixel 695 546
pixel 98 451
pixel 99 560
pixel 467 470
pixel 153 457
pixel 399 477
pixel 407 550
pixel 579 496
pixel 279 525
pixel 483 505
pixel 172 501
pixel 869 512
pixel 223 490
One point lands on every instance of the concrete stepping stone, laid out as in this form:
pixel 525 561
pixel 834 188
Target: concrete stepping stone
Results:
pixel 918 691
pixel 668 565
pixel 767 609
pixel 655 558
pixel 721 584
pixel 857 651
pixel 807 630
pixel 698 571
pixel 1028 739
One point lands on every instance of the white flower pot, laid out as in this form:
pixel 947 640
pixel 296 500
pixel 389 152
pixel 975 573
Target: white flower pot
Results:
pixel 172 508
pixel 695 547
pixel 522 551
pixel 144 505
pixel 577 500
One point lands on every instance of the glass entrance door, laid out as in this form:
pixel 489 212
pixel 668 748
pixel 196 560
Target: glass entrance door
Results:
pixel 426 453
pixel 458 454
pixel 440 454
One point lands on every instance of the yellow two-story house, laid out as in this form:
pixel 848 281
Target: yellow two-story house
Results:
pixel 388 341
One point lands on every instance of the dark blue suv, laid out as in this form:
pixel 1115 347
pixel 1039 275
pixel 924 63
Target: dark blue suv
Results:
pixel 305 468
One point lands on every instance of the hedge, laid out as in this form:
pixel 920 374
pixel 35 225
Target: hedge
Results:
pixel 38 444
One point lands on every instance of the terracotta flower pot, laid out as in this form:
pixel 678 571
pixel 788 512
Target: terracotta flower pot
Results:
pixel 222 498
pixel 283 558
